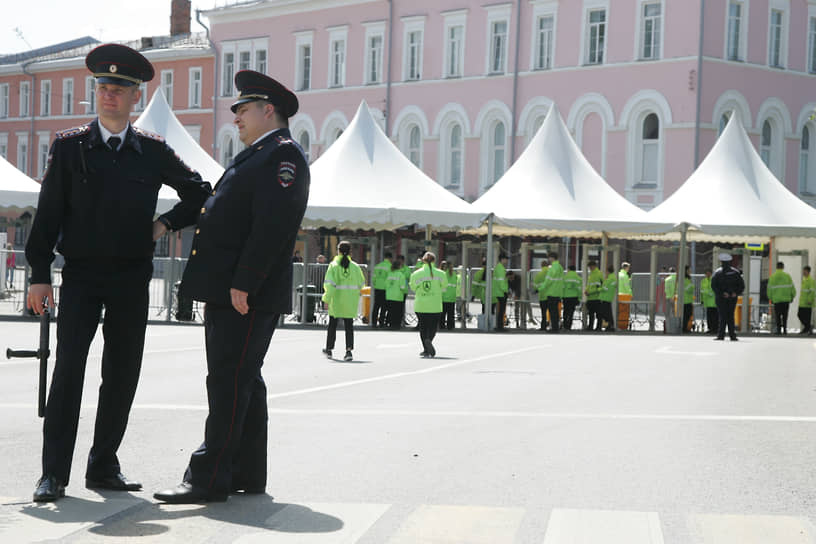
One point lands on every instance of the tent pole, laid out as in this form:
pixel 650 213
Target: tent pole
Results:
pixel 652 287
pixel 680 284
pixel 604 249
pixel 746 295
pixel 521 297
pixel 488 275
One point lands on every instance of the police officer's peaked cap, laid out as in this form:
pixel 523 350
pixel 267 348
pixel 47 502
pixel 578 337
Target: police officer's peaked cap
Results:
pixel 257 86
pixel 119 64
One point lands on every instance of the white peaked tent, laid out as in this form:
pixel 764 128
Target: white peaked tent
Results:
pixel 553 190
pixel 16 189
pixel 364 182
pixel 733 197
pixel 159 118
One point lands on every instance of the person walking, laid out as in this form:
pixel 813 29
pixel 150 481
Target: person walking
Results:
pixel 381 272
pixel 428 283
pixel 553 287
pixel 593 294
pixel 609 290
pixel 97 205
pixel 728 285
pixel 688 300
pixel 806 300
pixel 709 303
pixel 341 292
pixel 781 293
pixel 500 291
pixel 396 287
pixel 572 292
pixel 240 266
pixel 448 317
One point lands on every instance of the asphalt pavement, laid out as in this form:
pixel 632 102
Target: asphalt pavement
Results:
pixel 522 438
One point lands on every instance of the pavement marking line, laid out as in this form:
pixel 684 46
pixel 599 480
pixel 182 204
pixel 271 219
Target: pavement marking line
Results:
pixel 607 526
pixel 317 523
pixel 668 351
pixel 737 529
pixel 32 522
pixel 438 524
pixel 402 374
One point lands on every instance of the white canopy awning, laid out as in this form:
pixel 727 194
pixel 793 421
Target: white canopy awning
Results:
pixel 16 189
pixel 364 182
pixel 159 118
pixel 734 197
pixel 552 190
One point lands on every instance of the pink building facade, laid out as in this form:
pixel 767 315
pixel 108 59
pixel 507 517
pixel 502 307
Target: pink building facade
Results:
pixel 461 87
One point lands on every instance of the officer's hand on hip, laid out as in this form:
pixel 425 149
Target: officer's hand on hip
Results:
pixel 239 301
pixel 158 229
pixel 36 292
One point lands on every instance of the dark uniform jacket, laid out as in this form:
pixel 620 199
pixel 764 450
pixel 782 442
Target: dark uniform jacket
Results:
pixel 248 227
pixel 95 203
pixel 727 279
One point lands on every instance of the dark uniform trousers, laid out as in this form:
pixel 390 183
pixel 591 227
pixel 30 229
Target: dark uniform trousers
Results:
pixel 725 308
pixel 121 287
pixel 593 313
pixel 552 307
pixel 379 312
pixel 712 319
pixel 569 311
pixel 233 454
pixel 781 313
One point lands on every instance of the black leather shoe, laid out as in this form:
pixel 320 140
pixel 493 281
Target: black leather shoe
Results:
pixel 185 493
pixel 48 489
pixel 117 482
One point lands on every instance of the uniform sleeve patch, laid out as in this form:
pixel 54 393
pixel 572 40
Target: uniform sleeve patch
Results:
pixel 286 173
pixel 71 132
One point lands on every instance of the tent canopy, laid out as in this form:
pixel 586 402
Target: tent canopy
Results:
pixel 16 189
pixel 159 118
pixel 552 190
pixel 734 197
pixel 364 182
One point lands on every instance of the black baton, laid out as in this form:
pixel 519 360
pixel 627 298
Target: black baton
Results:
pixel 42 353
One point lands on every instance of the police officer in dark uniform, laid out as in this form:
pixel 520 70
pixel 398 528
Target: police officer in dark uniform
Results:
pixel 240 265
pixel 97 204
pixel 728 285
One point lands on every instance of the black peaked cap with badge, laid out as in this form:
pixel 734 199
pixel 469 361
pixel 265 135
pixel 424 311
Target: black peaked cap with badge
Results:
pixel 257 86
pixel 119 64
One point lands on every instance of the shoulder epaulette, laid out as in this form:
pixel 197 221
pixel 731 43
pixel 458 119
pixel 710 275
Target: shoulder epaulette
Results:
pixel 281 140
pixel 71 132
pixel 148 134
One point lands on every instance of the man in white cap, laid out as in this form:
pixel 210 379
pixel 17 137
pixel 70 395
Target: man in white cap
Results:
pixel 727 284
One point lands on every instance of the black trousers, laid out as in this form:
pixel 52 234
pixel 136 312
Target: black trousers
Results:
pixel 233 453
pixel 712 319
pixel 725 308
pixel 605 314
pixel 331 334
pixel 448 317
pixel 804 315
pixel 593 313
pixel 501 309
pixel 781 313
pixel 378 312
pixel 396 312
pixel 552 306
pixel 688 310
pixel 569 311
pixel 122 288
pixel 542 303
pixel 428 324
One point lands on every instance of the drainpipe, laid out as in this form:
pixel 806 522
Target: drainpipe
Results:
pixel 699 86
pixel 388 68
pixel 515 85
pixel 31 113
pixel 215 82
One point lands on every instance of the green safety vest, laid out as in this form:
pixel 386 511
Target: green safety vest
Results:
pixel 381 272
pixel 539 281
pixel 609 288
pixel 624 283
pixel 780 287
pixel 554 281
pixel 707 293
pixel 808 296
pixel 341 288
pixel 572 285
pixel 396 285
pixel 428 282
pixel 594 282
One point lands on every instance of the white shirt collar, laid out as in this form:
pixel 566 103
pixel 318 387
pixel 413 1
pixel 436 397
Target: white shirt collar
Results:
pixel 106 134
pixel 264 136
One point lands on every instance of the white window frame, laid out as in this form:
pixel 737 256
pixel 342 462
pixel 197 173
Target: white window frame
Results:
pixel 195 91
pixel 167 88
pixel 766 150
pixel 68 96
pixel 4 145
pixel 90 95
pixel 4 100
pixel 542 9
pixel 261 60
pixel 43 146
pixel 142 103
pixel 302 74
pixel 454 19
pixel 338 56
pixel 373 59
pixel 23 152
pixel 589 7
pixel 807 172
pixel 640 154
pixel 25 98
pixel 500 13
pixel 640 43
pixel 228 70
pixel 811 41
pixel 307 149
pixel 742 45
pixel 782 6
pixel 244 57
pixel 45 97
pixel 446 154
pixel 411 25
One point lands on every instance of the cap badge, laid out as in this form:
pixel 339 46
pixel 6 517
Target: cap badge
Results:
pixel 113 68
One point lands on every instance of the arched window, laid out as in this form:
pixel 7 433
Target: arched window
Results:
pixel 724 118
pixel 305 142
pixel 765 143
pixel 415 146
pixel 537 125
pixel 227 149
pixel 497 153
pixel 804 150
pixel 455 156
pixel 650 154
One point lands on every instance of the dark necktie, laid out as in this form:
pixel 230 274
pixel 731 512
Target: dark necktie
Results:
pixel 113 142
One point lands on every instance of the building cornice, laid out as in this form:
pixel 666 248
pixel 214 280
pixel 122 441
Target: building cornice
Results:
pixel 253 10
